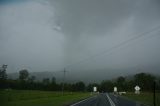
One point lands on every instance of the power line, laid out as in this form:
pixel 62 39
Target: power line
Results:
pixel 106 51
pixel 117 46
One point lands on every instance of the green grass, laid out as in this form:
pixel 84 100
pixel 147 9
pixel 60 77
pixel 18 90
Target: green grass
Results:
pixel 145 98
pixel 39 98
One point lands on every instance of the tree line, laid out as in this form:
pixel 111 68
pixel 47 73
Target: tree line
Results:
pixel 27 82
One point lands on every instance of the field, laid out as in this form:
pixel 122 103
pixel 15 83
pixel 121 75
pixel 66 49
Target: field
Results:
pixel 50 98
pixel 39 98
pixel 146 98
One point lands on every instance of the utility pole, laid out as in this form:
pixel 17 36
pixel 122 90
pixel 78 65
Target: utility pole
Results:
pixel 64 74
pixel 154 93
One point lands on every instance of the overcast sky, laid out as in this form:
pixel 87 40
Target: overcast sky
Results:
pixel 48 35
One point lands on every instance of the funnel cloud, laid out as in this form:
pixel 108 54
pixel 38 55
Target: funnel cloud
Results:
pixel 52 35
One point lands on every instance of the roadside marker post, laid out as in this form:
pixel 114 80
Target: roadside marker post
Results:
pixel 115 90
pixel 94 89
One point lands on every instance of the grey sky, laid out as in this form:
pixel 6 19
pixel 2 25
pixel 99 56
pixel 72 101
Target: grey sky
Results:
pixel 47 35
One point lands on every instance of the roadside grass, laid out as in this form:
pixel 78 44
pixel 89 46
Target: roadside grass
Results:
pixel 39 98
pixel 144 97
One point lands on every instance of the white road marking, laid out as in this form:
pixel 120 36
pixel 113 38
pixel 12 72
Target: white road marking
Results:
pixel 81 101
pixel 110 101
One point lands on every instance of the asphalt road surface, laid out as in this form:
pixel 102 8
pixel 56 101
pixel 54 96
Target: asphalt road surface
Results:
pixel 106 99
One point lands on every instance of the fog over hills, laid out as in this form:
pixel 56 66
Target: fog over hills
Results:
pixel 85 76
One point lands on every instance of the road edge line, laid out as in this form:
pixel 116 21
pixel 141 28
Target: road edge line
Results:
pixel 81 101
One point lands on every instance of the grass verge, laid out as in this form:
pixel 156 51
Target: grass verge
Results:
pixel 144 97
pixel 39 98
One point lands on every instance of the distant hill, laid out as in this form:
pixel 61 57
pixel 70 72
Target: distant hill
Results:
pixel 71 76
pixel 85 76
pixel 39 75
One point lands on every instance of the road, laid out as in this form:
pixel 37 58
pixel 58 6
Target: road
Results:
pixel 107 99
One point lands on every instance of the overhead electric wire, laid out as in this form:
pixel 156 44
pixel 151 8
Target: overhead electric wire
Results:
pixel 116 46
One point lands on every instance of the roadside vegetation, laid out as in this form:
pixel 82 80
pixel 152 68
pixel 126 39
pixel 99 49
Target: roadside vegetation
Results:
pixel 144 97
pixel 47 92
pixel 39 98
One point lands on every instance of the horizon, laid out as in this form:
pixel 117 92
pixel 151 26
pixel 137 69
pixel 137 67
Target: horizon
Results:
pixel 52 35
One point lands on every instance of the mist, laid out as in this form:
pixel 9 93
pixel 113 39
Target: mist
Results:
pixel 52 35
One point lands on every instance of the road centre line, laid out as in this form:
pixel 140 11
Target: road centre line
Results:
pixel 110 100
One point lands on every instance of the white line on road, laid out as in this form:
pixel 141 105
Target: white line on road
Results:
pixel 110 100
pixel 82 101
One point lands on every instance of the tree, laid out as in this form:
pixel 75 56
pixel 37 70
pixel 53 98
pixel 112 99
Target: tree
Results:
pixel 106 86
pixel 121 83
pixel 32 79
pixel 3 75
pixel 120 80
pixel 129 85
pixel 23 74
pixel 46 81
pixel 79 86
pixel 91 85
pixel 51 86
pixel 53 80
pixel 145 81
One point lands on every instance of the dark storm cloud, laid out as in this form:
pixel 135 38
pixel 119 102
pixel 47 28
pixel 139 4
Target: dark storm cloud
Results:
pixel 27 38
pixel 48 35
pixel 92 16
pixel 98 17
pixel 90 26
